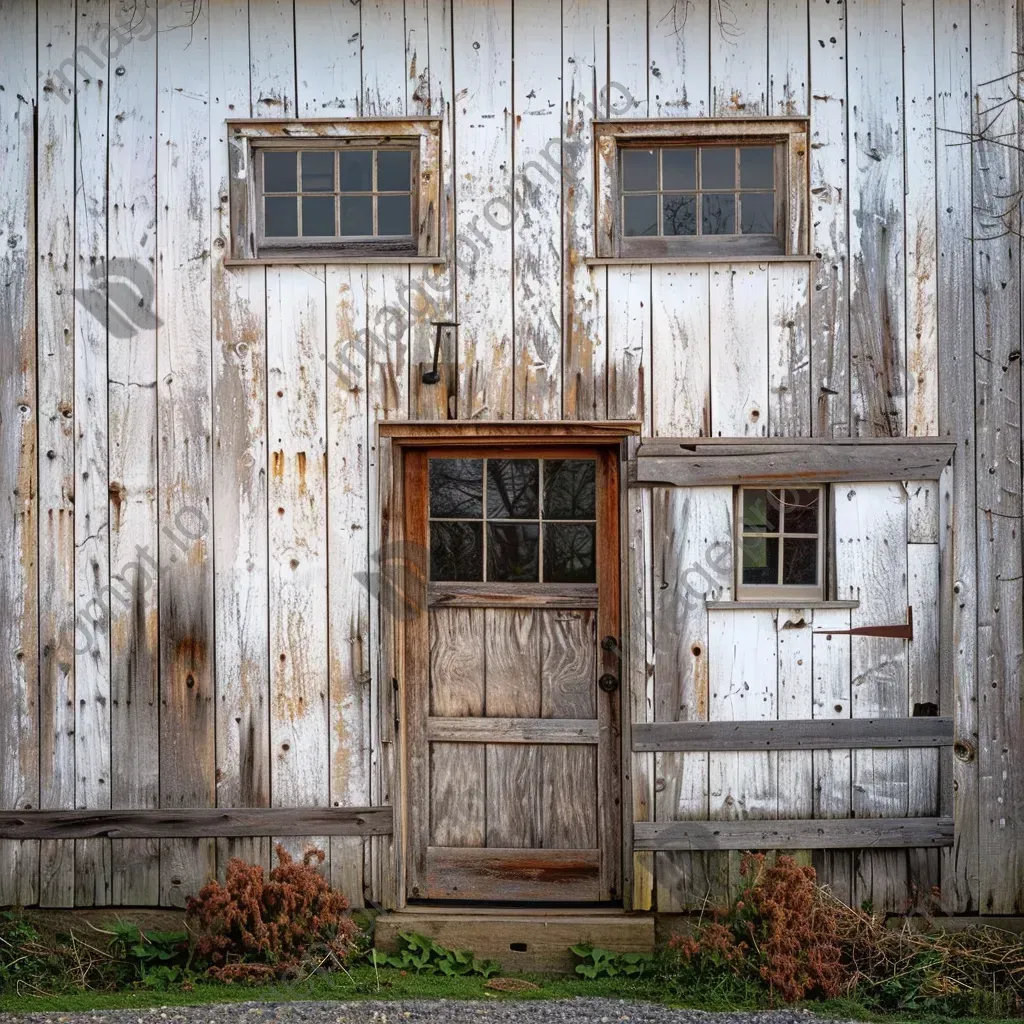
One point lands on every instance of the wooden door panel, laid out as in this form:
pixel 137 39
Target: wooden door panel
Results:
pixel 512 747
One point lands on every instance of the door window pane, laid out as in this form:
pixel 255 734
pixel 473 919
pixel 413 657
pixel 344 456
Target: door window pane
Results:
pixel 640 215
pixel 801 508
pixel 678 170
pixel 569 488
pixel 757 213
pixel 800 561
pixel 760 511
pixel 456 488
pixel 757 167
pixel 512 552
pixel 760 560
pixel 281 217
pixel 569 553
pixel 456 551
pixel 512 489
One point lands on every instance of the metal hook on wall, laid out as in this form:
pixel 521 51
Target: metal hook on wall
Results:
pixel 433 375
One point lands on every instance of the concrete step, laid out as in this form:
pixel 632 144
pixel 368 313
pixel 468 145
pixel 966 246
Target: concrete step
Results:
pixel 522 941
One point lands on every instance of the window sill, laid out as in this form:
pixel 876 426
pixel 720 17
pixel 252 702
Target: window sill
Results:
pixel 761 603
pixel 614 261
pixel 279 261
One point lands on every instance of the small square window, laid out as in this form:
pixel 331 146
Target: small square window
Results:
pixel 702 189
pixel 334 190
pixel 781 543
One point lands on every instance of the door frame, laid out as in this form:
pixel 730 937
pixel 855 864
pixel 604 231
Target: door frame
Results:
pixel 399 576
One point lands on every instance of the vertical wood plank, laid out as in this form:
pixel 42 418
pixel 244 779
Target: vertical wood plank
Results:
pixel 871 564
pixel 584 97
pixel 241 578
pixel 739 350
pixel 743 668
pixel 830 348
pixel 878 359
pixel 132 397
pixel 923 681
pixel 681 351
pixel 739 59
pixel 272 57
pixel 789 351
pixel 960 867
pixel 92 521
pixel 482 57
pixel 184 388
pixel 830 660
pixel 692 528
pixel 997 333
pixel 536 213
pixel 328 49
pixel 19 655
pixel 513 690
pixel 678 50
pixel 795 700
pixel 55 184
pixel 922 256
pixel 297 429
pixel 432 289
pixel 788 70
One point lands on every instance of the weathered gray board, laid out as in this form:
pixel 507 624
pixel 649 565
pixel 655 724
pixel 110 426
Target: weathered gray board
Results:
pixel 904 325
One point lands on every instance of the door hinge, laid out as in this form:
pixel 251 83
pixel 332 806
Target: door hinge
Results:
pixel 903 631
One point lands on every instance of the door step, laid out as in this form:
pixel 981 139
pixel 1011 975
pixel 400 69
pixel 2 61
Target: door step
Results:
pixel 536 941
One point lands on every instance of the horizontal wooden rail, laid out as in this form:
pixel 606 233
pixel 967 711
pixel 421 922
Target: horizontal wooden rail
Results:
pixel 794 734
pixel 818 834
pixel 770 462
pixel 512 595
pixel 205 822
pixel 512 730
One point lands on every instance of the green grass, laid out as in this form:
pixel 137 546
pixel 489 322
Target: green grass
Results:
pixel 363 982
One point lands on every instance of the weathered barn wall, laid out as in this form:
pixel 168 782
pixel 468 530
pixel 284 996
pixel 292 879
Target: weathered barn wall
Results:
pixel 189 546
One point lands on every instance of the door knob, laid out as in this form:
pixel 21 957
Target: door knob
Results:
pixel 608 682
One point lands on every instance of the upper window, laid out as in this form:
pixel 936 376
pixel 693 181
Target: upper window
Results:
pixel 781 541
pixel 324 191
pixel 702 189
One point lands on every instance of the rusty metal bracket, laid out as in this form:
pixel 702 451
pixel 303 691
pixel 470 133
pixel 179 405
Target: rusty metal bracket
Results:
pixel 901 632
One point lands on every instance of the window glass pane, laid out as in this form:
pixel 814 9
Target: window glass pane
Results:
pixel 512 489
pixel 356 215
pixel 456 551
pixel 801 510
pixel 760 560
pixel 757 213
pixel 317 172
pixel 640 215
pixel 678 169
pixel 393 215
pixel 318 215
pixel 393 167
pixel 639 170
pixel 356 170
pixel 512 552
pixel 281 217
pixel 799 561
pixel 279 171
pixel 569 553
pixel 719 214
pixel 679 215
pixel 457 488
pixel 569 488
pixel 760 511
pixel 757 167
pixel 718 167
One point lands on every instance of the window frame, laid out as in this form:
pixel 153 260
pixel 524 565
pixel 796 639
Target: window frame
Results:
pixel 781 591
pixel 789 136
pixel 247 139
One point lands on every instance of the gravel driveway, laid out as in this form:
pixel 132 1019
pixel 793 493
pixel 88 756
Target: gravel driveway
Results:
pixel 561 1011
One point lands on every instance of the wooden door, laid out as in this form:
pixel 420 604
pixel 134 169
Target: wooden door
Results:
pixel 512 675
